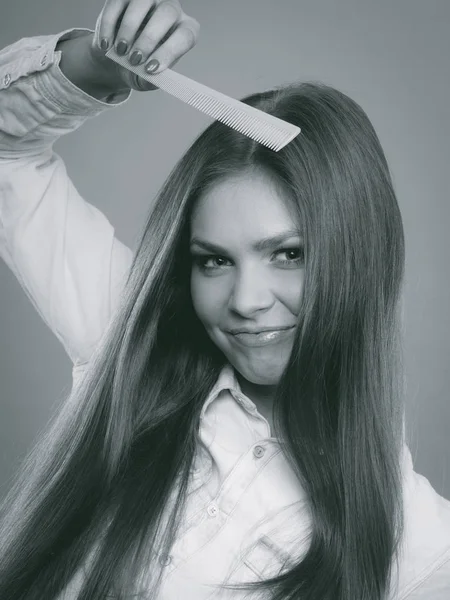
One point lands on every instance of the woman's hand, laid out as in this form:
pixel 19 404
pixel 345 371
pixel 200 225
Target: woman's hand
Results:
pixel 143 31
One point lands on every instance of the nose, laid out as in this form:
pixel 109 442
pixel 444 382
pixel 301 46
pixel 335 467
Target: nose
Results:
pixel 251 292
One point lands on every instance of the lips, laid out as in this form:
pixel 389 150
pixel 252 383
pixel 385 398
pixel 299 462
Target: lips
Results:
pixel 263 338
pixel 260 330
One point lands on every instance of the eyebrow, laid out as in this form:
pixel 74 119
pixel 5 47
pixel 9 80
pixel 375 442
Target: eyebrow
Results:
pixel 259 246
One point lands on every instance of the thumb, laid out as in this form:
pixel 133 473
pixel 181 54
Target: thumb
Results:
pixel 138 83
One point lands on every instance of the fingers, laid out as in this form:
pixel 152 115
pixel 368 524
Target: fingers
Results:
pixel 170 52
pixel 164 19
pixel 108 20
pixel 133 21
pixel 141 29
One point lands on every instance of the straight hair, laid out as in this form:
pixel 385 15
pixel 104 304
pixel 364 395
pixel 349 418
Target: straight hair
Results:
pixel 104 488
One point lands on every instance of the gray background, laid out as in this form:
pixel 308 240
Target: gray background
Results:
pixel 391 56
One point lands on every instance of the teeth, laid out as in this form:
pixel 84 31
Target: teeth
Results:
pixel 270 334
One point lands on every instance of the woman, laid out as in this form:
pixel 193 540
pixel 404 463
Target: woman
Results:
pixel 200 455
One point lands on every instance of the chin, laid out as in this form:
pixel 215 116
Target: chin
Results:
pixel 261 373
pixel 260 366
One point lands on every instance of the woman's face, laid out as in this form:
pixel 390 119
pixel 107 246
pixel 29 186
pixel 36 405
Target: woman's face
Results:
pixel 237 283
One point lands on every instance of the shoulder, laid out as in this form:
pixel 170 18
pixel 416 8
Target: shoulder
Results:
pixel 424 560
pixel 435 585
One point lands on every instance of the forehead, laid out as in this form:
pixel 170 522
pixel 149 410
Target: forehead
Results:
pixel 249 205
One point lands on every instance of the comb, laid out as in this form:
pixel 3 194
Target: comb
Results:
pixel 265 129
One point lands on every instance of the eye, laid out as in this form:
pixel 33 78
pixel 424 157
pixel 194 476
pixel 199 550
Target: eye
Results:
pixel 297 251
pixel 295 257
pixel 201 261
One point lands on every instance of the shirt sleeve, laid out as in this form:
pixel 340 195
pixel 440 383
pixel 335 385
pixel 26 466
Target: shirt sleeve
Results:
pixel 62 249
pixel 425 556
pixel 436 585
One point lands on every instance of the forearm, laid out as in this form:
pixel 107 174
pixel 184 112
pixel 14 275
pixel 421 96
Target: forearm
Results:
pixel 89 69
pixel 39 103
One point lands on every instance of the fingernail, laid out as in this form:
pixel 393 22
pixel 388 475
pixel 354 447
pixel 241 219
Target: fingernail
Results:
pixel 104 44
pixel 136 57
pixel 122 47
pixel 152 66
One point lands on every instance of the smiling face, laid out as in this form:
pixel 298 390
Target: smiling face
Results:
pixel 238 282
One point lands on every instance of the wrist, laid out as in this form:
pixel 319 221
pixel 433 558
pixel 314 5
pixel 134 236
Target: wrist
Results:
pixel 88 68
pixel 105 69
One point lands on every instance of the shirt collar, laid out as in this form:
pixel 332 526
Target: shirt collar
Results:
pixel 227 380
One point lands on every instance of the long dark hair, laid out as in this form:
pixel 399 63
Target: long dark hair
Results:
pixel 106 484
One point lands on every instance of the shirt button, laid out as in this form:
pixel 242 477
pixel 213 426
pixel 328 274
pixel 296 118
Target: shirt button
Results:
pixel 212 510
pixel 258 451
pixel 165 560
pixel 44 60
pixel 7 79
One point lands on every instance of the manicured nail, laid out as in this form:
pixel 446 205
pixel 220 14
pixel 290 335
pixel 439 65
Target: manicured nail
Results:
pixel 152 66
pixel 136 57
pixel 104 44
pixel 122 48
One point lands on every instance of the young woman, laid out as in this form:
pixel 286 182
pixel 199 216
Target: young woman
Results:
pixel 235 427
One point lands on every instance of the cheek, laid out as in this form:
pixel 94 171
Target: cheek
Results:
pixel 288 289
pixel 295 294
pixel 207 299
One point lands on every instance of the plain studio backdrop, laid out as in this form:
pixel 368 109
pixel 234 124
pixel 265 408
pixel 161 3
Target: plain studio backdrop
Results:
pixel 391 57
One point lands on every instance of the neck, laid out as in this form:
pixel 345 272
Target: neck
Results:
pixel 261 395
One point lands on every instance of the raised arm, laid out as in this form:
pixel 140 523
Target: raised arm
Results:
pixel 62 249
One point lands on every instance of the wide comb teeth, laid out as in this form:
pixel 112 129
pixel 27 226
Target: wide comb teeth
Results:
pixel 265 129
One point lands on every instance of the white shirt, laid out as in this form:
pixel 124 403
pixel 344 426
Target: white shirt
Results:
pixel 246 516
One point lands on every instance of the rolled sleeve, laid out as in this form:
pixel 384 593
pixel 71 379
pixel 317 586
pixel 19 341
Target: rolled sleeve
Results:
pixel 38 104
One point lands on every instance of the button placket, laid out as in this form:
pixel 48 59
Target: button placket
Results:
pixel 165 560
pixel 259 451
pixel 212 510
